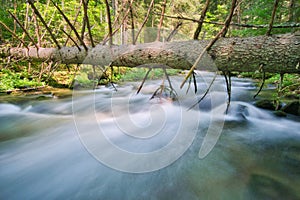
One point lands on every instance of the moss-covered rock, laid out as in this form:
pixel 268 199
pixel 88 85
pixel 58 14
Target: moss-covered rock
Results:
pixel 280 113
pixel 265 104
pixel 292 108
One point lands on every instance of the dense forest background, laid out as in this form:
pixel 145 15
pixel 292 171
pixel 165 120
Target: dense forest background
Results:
pixel 125 22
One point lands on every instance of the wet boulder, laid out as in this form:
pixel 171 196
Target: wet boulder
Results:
pixel 265 104
pixel 292 108
pixel 280 113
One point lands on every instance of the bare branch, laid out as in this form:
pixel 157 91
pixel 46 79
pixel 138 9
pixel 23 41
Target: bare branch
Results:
pixel 132 22
pixel 290 25
pixel 44 23
pixel 69 37
pixel 272 18
pixel 201 20
pixel 49 23
pixel 24 29
pixel 227 76
pixel 212 42
pixel 263 81
pixel 13 34
pixel 145 20
pixel 75 20
pixel 141 86
pixel 174 31
pixel 118 28
pixel 206 92
pixel 228 20
pixel 86 18
pixel 37 30
pixel 161 19
pixel 71 26
pixel 109 22
pixel 26 21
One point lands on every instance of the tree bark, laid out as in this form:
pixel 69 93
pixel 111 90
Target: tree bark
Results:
pixel 278 54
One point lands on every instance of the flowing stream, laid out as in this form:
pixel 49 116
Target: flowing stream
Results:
pixel 67 148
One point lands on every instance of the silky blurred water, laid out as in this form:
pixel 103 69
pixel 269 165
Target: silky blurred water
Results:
pixel 42 155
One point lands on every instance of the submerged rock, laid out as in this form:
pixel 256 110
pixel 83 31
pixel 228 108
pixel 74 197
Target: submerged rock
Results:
pixel 262 186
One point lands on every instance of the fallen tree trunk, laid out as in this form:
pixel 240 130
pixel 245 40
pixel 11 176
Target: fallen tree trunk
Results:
pixel 278 54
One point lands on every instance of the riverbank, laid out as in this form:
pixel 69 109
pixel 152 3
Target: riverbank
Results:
pixel 41 93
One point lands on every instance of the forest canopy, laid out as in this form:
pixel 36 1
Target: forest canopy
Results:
pixel 123 12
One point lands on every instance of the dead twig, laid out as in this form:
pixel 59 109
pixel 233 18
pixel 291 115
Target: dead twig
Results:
pixel 201 20
pixel 75 20
pixel 71 26
pixel 144 79
pixel 24 29
pixel 13 34
pixel 69 37
pixel 168 78
pixel 174 31
pixel 206 92
pixel 291 25
pixel 227 76
pixel 222 33
pixel 132 23
pixel 145 20
pixel 109 22
pixel 263 80
pixel 272 18
pixel 86 19
pixel 163 8
pixel 44 23
pixel 194 82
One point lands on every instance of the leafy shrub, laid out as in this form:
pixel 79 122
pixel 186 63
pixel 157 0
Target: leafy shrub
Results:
pixel 10 80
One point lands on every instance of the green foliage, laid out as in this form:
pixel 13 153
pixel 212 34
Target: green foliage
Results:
pixel 11 80
pixel 255 75
pixel 137 74
pixel 6 19
pixel 218 15
pixel 55 21
pixel 288 80
pixel 290 87
pixel 83 81
pixel 259 13
pixel 249 12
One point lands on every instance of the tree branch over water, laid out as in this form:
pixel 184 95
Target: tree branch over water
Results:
pixel 278 53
